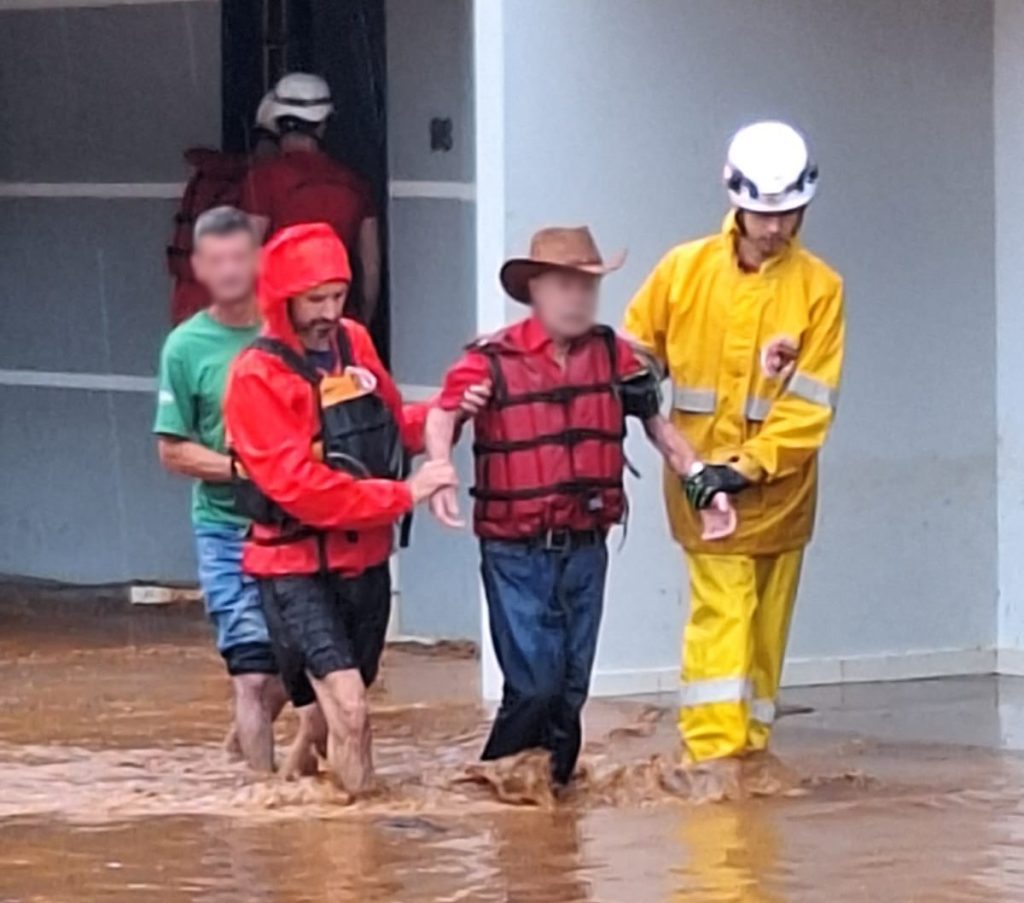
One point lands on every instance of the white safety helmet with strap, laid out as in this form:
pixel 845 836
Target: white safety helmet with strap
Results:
pixel 304 96
pixel 769 169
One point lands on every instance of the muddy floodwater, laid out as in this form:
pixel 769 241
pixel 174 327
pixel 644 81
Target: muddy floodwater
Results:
pixel 114 786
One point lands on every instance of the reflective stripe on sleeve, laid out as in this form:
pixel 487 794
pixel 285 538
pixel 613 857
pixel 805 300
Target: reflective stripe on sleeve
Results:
pixel 693 401
pixel 717 689
pixel 813 390
pixel 757 408
pixel 763 711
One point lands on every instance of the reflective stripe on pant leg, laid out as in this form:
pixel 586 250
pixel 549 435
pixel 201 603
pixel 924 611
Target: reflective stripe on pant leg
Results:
pixel 777 580
pixel 717 651
pixel 717 689
pixel 762 711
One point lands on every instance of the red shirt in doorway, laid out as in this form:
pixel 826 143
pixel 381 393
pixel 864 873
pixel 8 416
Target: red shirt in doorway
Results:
pixel 303 186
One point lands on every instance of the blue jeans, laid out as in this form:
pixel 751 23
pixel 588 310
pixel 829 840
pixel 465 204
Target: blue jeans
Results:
pixel 545 612
pixel 232 600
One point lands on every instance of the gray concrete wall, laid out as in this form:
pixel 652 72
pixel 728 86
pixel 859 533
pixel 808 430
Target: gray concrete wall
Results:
pixel 1009 125
pixel 430 58
pixel 93 95
pixel 618 114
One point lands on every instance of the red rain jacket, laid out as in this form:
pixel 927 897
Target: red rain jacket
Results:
pixel 272 419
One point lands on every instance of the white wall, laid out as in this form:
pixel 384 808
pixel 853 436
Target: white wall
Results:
pixel 1009 159
pixel 617 114
pixel 430 58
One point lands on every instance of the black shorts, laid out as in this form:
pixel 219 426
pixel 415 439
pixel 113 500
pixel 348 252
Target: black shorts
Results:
pixel 321 623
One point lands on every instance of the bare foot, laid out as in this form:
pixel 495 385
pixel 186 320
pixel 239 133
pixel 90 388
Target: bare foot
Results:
pixel 300 762
pixel 367 788
pixel 231 745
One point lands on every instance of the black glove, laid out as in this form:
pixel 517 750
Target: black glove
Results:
pixel 703 485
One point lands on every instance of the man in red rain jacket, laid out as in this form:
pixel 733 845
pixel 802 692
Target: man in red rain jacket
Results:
pixel 327 496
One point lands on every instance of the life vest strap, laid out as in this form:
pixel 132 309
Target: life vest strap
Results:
pixel 289 356
pixel 300 535
pixel 565 437
pixel 556 395
pixel 569 487
pixel 286 538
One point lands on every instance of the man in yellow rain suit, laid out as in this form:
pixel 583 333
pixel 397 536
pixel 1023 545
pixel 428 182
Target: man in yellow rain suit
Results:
pixel 749 326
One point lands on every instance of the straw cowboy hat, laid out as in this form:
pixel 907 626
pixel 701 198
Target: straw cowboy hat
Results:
pixel 556 248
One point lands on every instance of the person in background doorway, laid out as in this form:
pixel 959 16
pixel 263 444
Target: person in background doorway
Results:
pixel 750 328
pixel 319 431
pixel 549 484
pixel 304 185
pixel 190 440
pixel 216 179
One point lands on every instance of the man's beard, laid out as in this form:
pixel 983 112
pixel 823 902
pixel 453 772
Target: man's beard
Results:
pixel 317 329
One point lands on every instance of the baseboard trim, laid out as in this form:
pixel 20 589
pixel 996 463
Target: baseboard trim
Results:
pixel 1010 662
pixel 919 665
pixel 805 672
pixel 628 682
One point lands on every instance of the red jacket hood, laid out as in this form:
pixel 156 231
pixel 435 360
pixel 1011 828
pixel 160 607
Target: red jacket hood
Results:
pixel 295 260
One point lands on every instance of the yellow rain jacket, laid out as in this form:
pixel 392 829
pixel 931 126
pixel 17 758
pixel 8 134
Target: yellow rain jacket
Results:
pixel 709 323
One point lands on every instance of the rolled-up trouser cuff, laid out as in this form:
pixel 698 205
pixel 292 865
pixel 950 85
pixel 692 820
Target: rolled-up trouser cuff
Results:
pixel 250 658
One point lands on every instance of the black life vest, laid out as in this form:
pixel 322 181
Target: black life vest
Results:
pixel 358 434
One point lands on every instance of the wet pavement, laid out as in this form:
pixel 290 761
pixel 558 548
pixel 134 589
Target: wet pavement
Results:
pixel 114 786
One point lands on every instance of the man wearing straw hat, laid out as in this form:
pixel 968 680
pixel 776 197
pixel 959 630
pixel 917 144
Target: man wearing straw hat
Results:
pixel 549 460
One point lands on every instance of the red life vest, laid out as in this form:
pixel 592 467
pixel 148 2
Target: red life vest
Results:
pixel 216 179
pixel 548 448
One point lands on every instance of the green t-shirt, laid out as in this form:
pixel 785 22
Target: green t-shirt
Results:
pixel 194 367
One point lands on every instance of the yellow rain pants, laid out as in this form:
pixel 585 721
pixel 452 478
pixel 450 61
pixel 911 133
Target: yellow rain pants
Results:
pixel 733 648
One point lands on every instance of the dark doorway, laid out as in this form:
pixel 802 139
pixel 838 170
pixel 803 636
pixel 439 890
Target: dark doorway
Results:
pixel 342 40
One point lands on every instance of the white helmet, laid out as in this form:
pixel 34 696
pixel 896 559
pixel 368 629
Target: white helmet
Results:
pixel 304 96
pixel 265 116
pixel 769 169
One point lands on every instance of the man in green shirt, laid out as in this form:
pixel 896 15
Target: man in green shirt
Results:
pixel 189 427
